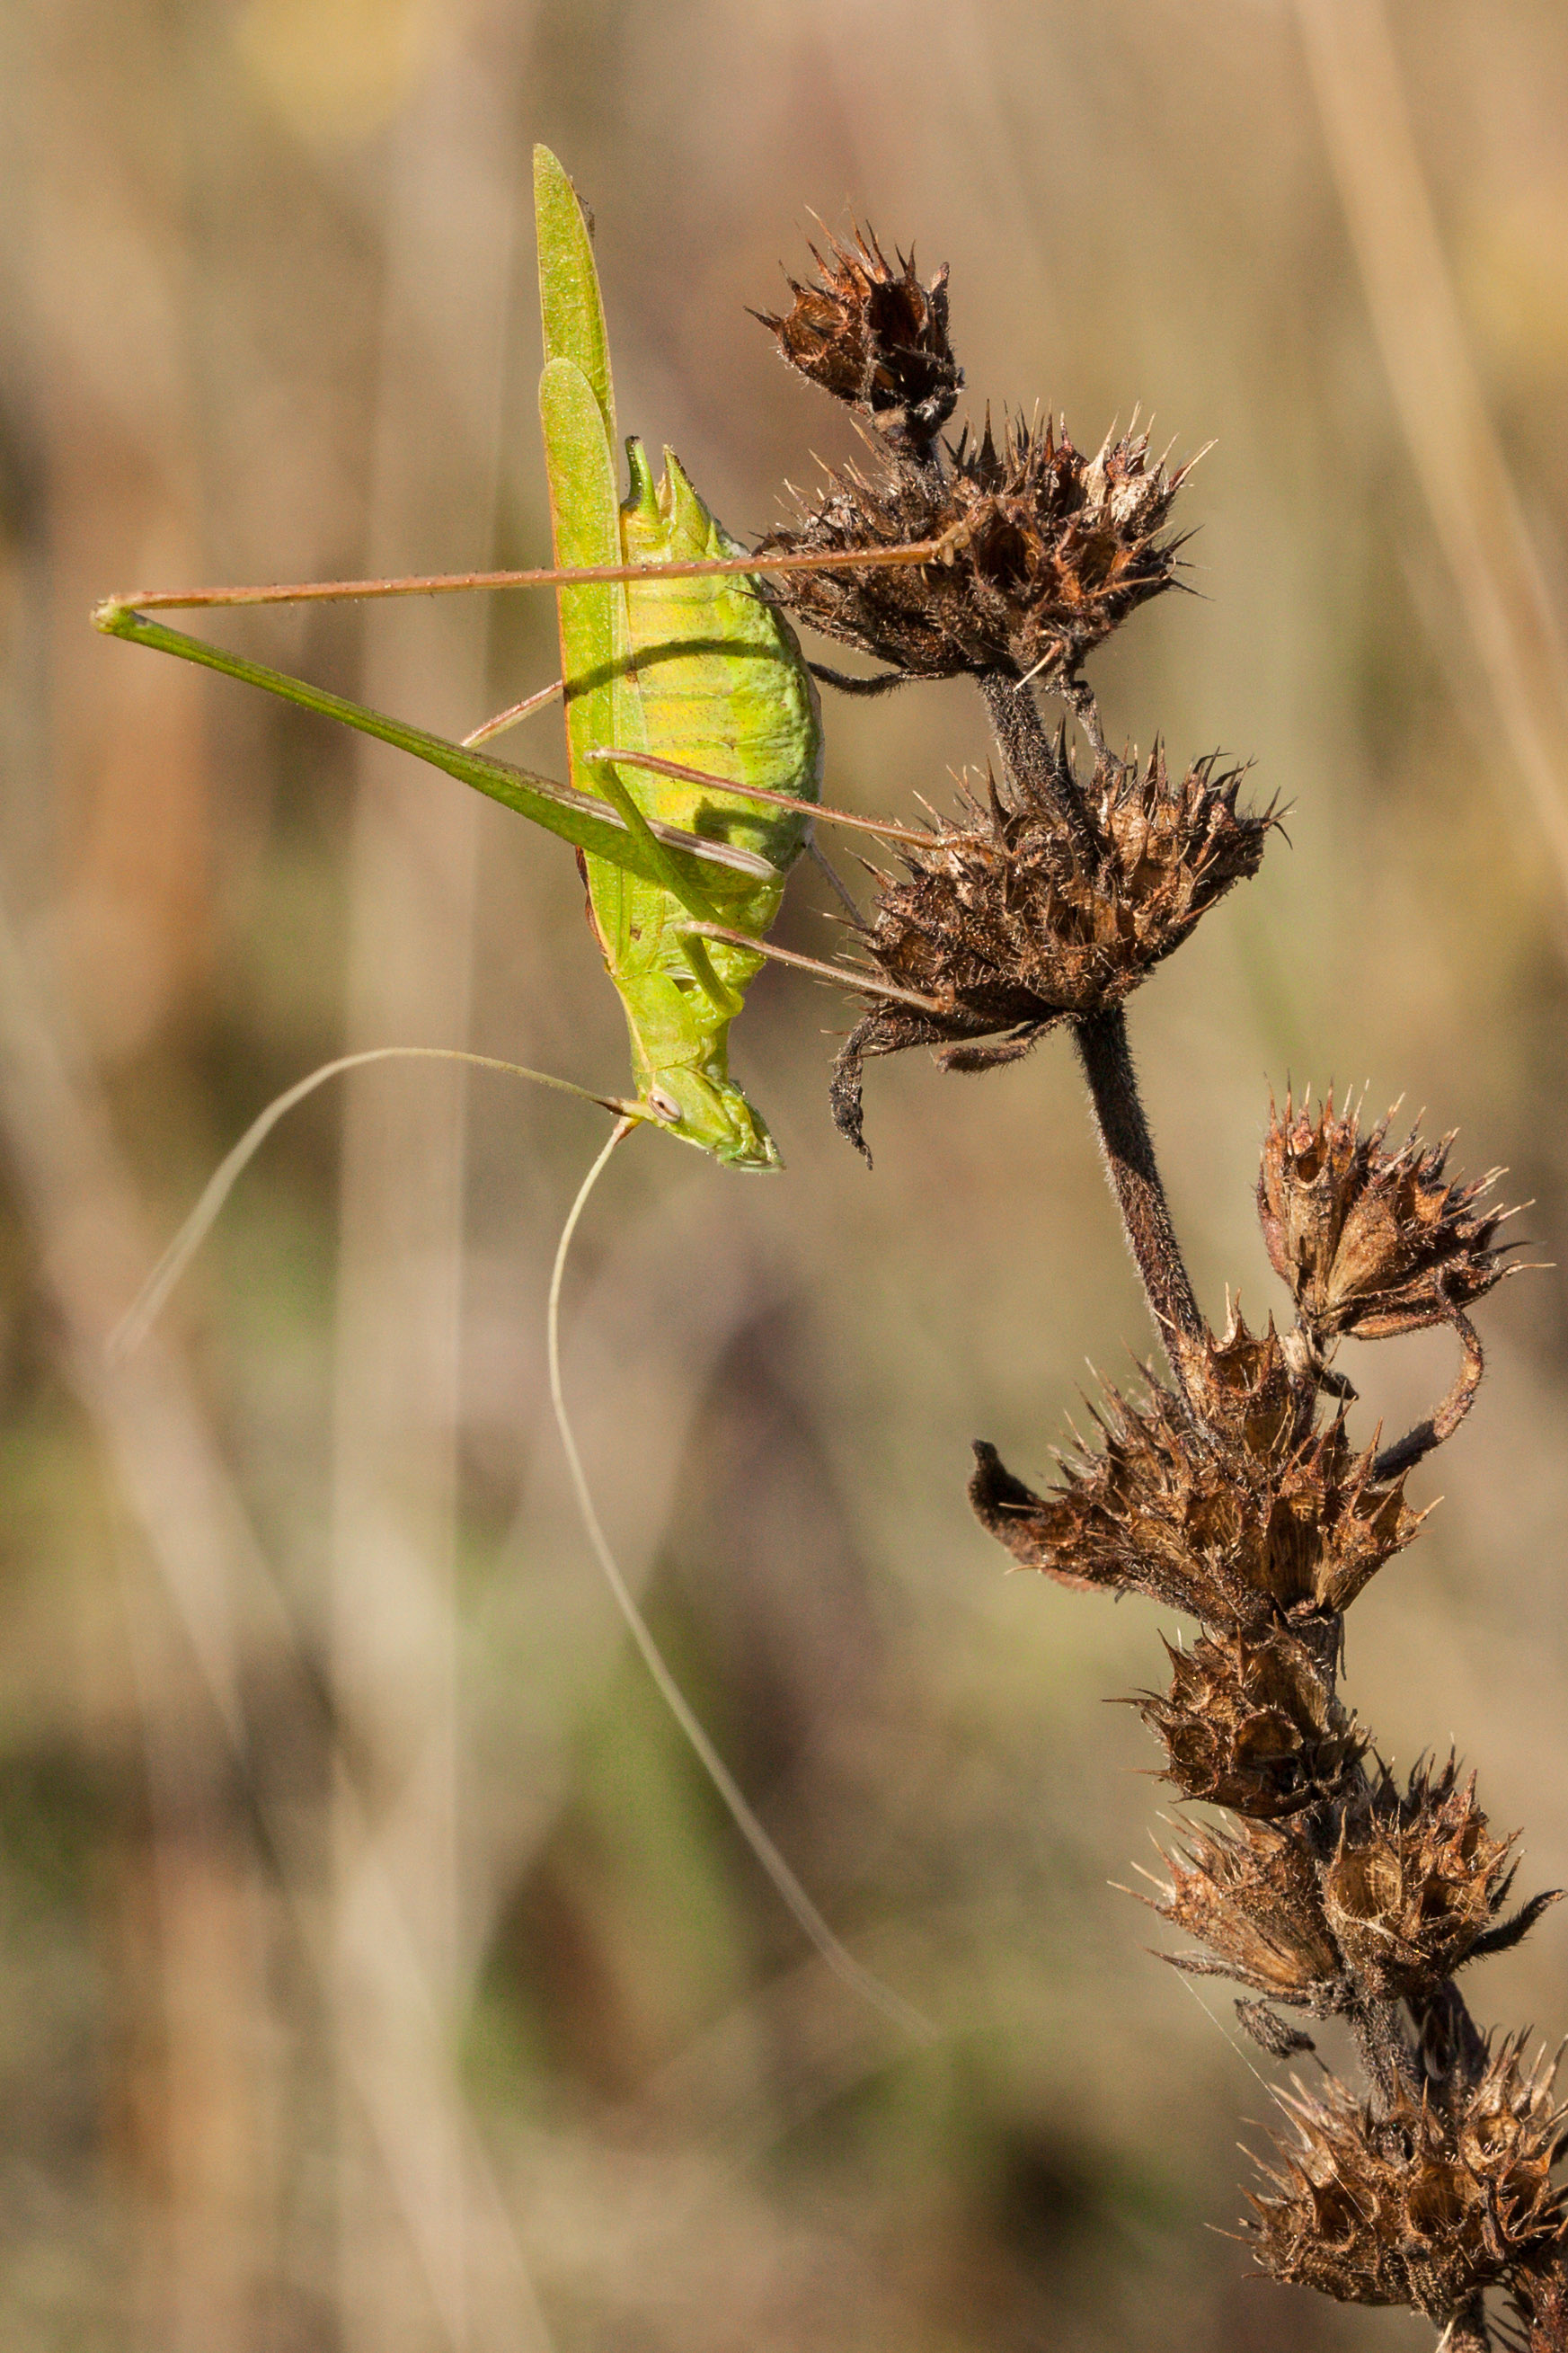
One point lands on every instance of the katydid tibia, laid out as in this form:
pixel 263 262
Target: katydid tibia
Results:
pixel 692 722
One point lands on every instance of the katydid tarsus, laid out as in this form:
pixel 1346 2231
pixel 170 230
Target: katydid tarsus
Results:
pixel 695 747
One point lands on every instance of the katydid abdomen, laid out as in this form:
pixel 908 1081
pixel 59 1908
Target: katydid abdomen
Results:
pixel 722 688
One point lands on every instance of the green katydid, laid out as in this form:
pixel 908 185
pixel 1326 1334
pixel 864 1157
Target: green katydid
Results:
pixel 692 721
pixel 678 672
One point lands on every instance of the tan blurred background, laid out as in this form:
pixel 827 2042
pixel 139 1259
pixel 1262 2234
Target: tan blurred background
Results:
pixel 376 1970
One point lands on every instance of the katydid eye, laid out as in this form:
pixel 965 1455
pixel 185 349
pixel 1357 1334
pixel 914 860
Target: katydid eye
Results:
pixel 666 1105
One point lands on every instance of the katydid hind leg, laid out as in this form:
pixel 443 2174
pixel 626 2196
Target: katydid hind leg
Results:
pixel 883 828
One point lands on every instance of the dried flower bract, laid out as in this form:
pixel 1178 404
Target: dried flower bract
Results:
pixel 1052 551
pixel 1422 2206
pixel 1255 1518
pixel 874 336
pixel 1253 1725
pixel 1252 1897
pixel 1370 1242
pixel 1415 1884
pixel 1013 919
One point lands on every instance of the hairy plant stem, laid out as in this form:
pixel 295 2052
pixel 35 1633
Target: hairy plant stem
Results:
pixel 1443 1422
pixel 1026 747
pixel 1383 2049
pixel 1130 1163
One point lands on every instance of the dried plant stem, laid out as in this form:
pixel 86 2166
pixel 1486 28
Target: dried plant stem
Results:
pixel 1447 1418
pixel 1383 2049
pixel 1130 1163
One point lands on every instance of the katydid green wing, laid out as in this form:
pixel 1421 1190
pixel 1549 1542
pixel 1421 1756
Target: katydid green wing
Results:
pixel 703 672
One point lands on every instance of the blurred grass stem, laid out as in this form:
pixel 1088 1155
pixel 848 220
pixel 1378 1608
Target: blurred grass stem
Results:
pixel 1454 447
pixel 56 1134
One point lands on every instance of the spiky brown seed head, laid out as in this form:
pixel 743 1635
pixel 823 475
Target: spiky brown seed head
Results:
pixel 1422 2206
pixel 1011 920
pixel 1255 1518
pixel 1250 1897
pixel 1253 1725
pixel 1416 1883
pixel 1371 1241
pixel 1538 2291
pixel 1051 550
pixel 874 337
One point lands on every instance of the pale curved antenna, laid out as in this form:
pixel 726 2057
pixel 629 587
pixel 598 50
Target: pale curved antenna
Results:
pixel 795 1900
pixel 148 1305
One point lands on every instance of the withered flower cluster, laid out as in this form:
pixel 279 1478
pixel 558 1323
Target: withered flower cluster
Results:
pixel 1229 1489
pixel 873 335
pixel 1419 2200
pixel 1052 550
pixel 1370 1242
pixel 1012 919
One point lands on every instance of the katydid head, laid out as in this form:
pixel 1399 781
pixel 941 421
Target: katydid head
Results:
pixel 714 1114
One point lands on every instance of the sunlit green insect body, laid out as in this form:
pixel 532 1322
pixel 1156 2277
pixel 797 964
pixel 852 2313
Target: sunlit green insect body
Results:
pixel 702 672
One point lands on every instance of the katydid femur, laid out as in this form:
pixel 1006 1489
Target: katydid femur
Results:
pixel 695 745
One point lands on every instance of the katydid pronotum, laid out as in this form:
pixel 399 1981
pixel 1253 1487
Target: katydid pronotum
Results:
pixel 695 745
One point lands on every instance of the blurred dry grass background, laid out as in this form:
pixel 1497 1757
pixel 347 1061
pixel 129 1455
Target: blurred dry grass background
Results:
pixel 375 1968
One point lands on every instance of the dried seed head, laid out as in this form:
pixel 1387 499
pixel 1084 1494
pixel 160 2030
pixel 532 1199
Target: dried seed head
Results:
pixel 1370 1242
pixel 1254 1517
pixel 874 337
pixel 1254 1725
pixel 1251 1896
pixel 1415 1884
pixel 1012 919
pixel 1423 2206
pixel 1052 551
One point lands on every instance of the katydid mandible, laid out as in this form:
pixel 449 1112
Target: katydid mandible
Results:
pixel 672 658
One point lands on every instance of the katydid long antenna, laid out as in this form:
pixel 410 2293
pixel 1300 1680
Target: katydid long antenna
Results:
pixel 139 1319
pixel 149 1303
pixel 797 1902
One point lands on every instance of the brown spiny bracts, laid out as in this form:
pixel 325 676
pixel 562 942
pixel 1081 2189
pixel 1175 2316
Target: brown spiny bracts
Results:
pixel 1051 550
pixel 1415 1884
pixel 1256 1517
pixel 1371 1241
pixel 1012 919
pixel 1423 2205
pixel 1539 2296
pixel 1270 2032
pixel 1251 1896
pixel 874 337
pixel 1253 1725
